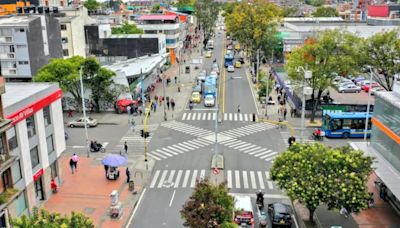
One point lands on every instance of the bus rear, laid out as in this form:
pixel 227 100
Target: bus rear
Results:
pixel 346 125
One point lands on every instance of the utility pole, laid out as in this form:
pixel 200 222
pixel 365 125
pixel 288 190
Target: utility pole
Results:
pixel 368 107
pixel 258 64
pixel 164 82
pixel 84 112
pixel 179 66
pixel 143 91
pixel 146 115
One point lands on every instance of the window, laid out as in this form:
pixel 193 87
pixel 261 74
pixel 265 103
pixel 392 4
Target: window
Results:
pixel 46 115
pixel 20 30
pixel 21 46
pixel 64 40
pixel 53 169
pixel 50 144
pixel 21 204
pixel 65 52
pixel 34 157
pixel 2 149
pixel 23 62
pixel 30 125
pixel 12 141
pixel 6 178
pixel 5 32
pixel 8 39
pixel 12 71
pixel 16 172
pixel 63 27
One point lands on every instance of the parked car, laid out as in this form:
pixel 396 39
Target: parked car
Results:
pixel 359 79
pixel 209 101
pixel 339 80
pixel 196 97
pixel 80 122
pixel 231 68
pixel 280 214
pixel 238 64
pixel 376 89
pixel 208 54
pixel 367 87
pixel 364 82
pixel 349 88
pixel 345 84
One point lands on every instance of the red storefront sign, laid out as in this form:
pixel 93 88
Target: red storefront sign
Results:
pixel 38 174
pixel 378 11
pixel 34 107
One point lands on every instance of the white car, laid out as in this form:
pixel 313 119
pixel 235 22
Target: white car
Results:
pixel 376 89
pixel 349 88
pixel 365 82
pixel 209 101
pixel 231 68
pixel 80 122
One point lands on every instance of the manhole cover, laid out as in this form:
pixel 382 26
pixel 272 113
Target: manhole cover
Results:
pixel 89 210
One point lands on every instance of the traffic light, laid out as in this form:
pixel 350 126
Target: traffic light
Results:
pixel 142 133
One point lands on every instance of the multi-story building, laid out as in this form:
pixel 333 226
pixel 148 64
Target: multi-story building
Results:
pixel 385 142
pixel 384 15
pixel 10 6
pixel 35 140
pixel 27 43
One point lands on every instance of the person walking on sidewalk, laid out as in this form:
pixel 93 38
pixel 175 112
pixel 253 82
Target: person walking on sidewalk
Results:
pixel 154 107
pixel 284 113
pixel 343 211
pixel 75 159
pixel 291 112
pixel 176 79
pixel 168 103
pixel 172 104
pixel 156 98
pixel 279 99
pixel 126 147
pixel 128 175
pixel 70 113
pixel 71 165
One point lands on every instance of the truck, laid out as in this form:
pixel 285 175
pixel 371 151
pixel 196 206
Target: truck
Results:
pixel 228 60
pixel 243 214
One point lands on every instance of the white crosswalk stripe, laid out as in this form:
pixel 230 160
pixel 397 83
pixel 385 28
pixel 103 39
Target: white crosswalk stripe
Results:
pixel 133 139
pixel 208 116
pixel 186 128
pixel 248 129
pixel 250 149
pixel 249 180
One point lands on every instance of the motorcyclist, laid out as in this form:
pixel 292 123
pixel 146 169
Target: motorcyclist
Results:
pixel 260 197
pixel 190 105
pixel 317 134
pixel 95 146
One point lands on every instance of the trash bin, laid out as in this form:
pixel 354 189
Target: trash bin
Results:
pixel 131 185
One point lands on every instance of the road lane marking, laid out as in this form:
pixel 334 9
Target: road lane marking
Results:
pixel 240 117
pixel 189 115
pixel 229 174
pixel 253 180
pixel 162 152
pixel 170 151
pixel 237 178
pixel 245 181
pixel 194 116
pixel 269 155
pixel 193 181
pixel 136 207
pixel 199 116
pixel 266 152
pixel 214 116
pixel 185 179
pixel 225 116
pixel 163 175
pixel 202 174
pixel 170 178
pixel 245 117
pixel 172 198
pixel 235 116
pixel 270 185
pixel 260 179
pixel 267 175
pixel 178 178
pixel 230 116
pixel 204 116
pixel 184 116
pixel 154 157
pixel 254 152
pixel 105 144
pixel 155 177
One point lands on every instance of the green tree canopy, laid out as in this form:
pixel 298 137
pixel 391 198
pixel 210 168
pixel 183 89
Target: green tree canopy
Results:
pixel 66 73
pixel 126 28
pixel 382 52
pixel 182 3
pixel 91 5
pixel 155 8
pixel 315 2
pixel 331 52
pixel 326 12
pixel 206 12
pixel 43 218
pixel 315 174
pixel 208 203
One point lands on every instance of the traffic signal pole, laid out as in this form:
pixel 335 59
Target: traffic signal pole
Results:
pixel 146 116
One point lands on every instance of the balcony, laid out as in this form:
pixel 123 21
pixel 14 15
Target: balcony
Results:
pixel 6 161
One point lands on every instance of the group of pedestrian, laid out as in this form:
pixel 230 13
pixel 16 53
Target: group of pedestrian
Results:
pixel 283 111
pixel 170 102
pixel 73 163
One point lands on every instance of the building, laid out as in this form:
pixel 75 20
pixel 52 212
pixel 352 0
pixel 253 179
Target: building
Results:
pixel 36 141
pixel 72 21
pixel 385 142
pixel 384 15
pixel 27 43
pixel 8 7
pixel 111 48
pixel 168 25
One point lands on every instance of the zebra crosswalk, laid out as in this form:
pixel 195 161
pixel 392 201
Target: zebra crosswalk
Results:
pixel 250 149
pixel 247 130
pixel 133 139
pixel 285 136
pixel 186 128
pixel 195 116
pixel 180 148
pixel 235 179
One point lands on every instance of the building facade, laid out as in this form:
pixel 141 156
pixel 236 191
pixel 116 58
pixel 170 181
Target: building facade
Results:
pixel 26 44
pixel 35 139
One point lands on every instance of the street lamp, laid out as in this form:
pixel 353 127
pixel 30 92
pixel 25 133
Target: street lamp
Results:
pixel 305 91
pixel 368 105
pixel 163 82
pixel 84 112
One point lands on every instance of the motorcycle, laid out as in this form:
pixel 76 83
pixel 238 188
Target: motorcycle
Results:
pixel 260 199
pixel 96 147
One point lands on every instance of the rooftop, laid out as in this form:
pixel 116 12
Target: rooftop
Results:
pixel 17 20
pixel 66 19
pixel 157 17
pixel 118 36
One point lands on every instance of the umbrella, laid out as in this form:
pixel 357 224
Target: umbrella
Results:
pixel 113 160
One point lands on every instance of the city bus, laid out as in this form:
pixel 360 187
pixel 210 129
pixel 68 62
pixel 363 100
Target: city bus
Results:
pixel 345 124
pixel 210 86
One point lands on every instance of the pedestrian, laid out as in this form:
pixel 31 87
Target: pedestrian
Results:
pixel 128 109
pixel 106 169
pixel 70 113
pixel 53 185
pixel 156 98
pixel 140 111
pixel 176 79
pixel 291 112
pixel 172 104
pixel 91 106
pixel 238 108
pixel 126 147
pixel 279 99
pixel 154 107
pixel 167 98
pixel 284 113
pixel 291 140
pixel 343 211
pixel 71 165
pixel 371 200
pixel 383 192
pixel 128 175
pixel 75 159
pixel 168 104
pixel 160 99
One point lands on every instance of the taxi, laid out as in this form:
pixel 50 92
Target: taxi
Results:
pixel 238 64
pixel 196 97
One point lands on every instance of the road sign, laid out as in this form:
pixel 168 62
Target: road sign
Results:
pixel 216 171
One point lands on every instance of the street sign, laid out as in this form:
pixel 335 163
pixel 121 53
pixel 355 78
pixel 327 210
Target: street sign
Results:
pixel 216 171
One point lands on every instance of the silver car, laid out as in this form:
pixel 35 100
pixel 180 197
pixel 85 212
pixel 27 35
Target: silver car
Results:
pixel 230 68
pixel 349 88
pixel 80 122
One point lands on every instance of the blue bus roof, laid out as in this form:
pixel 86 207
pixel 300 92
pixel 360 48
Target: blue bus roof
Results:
pixel 228 56
pixel 349 115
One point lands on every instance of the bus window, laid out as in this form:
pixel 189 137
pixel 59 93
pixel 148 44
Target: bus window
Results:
pixel 336 124
pixel 347 123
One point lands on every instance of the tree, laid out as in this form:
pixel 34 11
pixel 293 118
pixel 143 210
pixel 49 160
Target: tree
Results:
pixel 315 174
pixel 66 73
pixel 315 2
pixel 126 28
pixel 182 3
pixel 382 53
pixel 208 203
pixel 331 52
pixel 206 12
pixel 263 84
pixel 47 219
pixel 91 5
pixel 325 12
pixel 155 8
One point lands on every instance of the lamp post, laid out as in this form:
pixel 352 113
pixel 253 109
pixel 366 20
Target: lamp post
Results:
pixel 84 112
pixel 163 82
pixel 143 91
pixel 368 106
pixel 258 64
pixel 307 75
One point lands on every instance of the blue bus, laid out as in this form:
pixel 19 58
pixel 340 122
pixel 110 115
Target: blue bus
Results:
pixel 210 86
pixel 346 124
pixel 228 60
